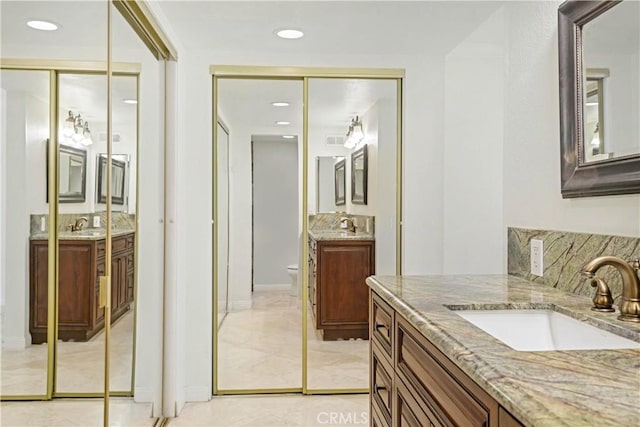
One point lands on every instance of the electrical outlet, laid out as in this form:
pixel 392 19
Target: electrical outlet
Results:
pixel 96 221
pixel 537 257
pixel 43 224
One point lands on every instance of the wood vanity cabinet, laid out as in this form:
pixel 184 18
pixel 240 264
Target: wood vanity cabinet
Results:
pixel 415 384
pixel 81 263
pixel 338 292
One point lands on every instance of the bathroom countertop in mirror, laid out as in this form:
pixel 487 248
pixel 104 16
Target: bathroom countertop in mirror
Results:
pixel 541 388
pixel 340 235
pixel 88 234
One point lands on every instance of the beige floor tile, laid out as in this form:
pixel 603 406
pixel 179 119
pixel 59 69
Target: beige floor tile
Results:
pixel 276 411
pixel 75 412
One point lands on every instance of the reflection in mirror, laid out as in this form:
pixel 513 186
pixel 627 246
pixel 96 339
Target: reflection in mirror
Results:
pixel 72 175
pixel 119 166
pixel 598 54
pixel 223 222
pixel 259 343
pixel 340 259
pixel 24 124
pixel 359 176
pixel 330 189
pixel 340 184
pixel 611 60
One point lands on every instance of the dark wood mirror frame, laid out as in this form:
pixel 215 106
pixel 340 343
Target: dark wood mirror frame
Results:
pixel 359 199
pixel 102 166
pixel 340 184
pixel 69 197
pixel 606 177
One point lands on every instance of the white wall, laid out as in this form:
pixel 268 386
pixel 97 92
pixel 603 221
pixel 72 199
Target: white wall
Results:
pixel 474 232
pixel 275 210
pixel 531 136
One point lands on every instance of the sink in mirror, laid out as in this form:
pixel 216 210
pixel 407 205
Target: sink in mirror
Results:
pixel 543 330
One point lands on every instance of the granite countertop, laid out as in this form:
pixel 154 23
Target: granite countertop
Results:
pixel 340 235
pixel 87 234
pixel 542 388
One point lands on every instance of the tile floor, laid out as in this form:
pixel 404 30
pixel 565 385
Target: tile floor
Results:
pixel 276 411
pixel 262 348
pixel 80 364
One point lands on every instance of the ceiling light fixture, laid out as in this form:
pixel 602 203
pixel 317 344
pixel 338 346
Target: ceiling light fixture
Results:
pixel 42 25
pixel 130 101
pixel 288 136
pixel 289 33
pixel 355 134
pixel 283 123
pixel 280 104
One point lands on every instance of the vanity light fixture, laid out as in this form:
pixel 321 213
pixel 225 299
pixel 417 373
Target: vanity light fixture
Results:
pixel 355 134
pixel 75 130
pixel 283 123
pixel 42 25
pixel 130 101
pixel 289 33
pixel 280 104
pixel 288 136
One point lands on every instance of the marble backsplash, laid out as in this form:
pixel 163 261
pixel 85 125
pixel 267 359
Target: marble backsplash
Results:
pixel 331 221
pixel 564 255
pixel 120 220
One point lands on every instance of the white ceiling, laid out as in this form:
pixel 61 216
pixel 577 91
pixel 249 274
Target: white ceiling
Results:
pixel 331 27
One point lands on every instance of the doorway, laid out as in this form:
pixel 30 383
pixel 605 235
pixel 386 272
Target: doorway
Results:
pixel 333 98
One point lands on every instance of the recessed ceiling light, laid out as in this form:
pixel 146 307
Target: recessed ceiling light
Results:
pixel 130 101
pixel 288 136
pixel 283 123
pixel 280 104
pixel 289 33
pixel 42 25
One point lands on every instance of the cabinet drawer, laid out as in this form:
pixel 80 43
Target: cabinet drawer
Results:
pixel 507 420
pixel 410 412
pixel 428 371
pixel 382 324
pixel 381 383
pixel 378 420
pixel 101 247
pixel 118 244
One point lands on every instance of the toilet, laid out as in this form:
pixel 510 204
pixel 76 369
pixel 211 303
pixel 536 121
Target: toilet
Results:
pixel 292 270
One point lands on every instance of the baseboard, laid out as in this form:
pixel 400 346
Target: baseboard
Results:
pixel 277 287
pixel 197 394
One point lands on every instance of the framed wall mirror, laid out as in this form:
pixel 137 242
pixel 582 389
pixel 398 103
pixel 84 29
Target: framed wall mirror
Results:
pixel 340 182
pixel 118 178
pixel 73 175
pixel 359 171
pixel 599 97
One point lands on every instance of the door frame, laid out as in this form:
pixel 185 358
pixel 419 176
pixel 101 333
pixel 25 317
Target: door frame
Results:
pixel 304 74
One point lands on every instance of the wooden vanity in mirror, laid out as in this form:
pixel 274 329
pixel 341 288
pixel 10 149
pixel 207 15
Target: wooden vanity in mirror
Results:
pixel 338 293
pixel 81 263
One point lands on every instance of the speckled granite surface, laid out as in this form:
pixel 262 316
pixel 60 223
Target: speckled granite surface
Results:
pixel 90 234
pixel 550 388
pixel 340 235
pixel 120 220
pixel 331 221
pixel 564 255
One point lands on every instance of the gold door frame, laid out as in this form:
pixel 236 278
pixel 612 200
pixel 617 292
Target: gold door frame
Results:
pixel 298 73
pixel 55 68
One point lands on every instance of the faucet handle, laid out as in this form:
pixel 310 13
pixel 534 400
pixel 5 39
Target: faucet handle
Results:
pixel 602 300
pixel 635 264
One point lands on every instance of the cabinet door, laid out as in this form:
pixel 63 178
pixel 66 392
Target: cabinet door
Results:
pixel 75 290
pixel 99 311
pixel 344 297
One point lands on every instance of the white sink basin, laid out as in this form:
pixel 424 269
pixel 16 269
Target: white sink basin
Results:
pixel 543 330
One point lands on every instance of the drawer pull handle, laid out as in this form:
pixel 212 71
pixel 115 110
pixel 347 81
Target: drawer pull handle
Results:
pixel 383 326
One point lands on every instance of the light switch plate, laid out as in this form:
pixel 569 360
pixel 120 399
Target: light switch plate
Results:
pixel 96 222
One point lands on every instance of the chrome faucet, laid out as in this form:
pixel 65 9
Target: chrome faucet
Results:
pixel 348 223
pixel 79 224
pixel 630 299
